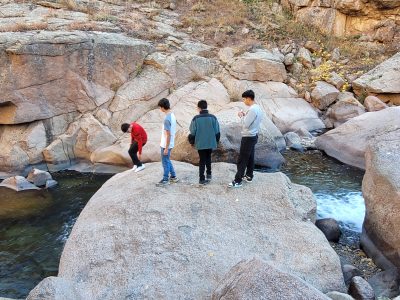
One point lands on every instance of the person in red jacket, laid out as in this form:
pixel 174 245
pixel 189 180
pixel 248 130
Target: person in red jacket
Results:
pixel 138 140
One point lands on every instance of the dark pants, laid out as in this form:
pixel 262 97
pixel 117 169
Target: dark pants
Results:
pixel 246 158
pixel 205 161
pixel 133 149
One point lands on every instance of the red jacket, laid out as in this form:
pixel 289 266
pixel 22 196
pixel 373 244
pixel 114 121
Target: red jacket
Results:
pixel 139 135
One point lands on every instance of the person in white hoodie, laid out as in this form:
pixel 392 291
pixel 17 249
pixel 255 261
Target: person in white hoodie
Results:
pixel 250 127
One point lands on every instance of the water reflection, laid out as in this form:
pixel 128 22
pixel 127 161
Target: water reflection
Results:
pixel 34 226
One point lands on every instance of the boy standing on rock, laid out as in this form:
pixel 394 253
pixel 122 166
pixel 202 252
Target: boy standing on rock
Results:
pixel 204 134
pixel 167 143
pixel 250 125
pixel 138 140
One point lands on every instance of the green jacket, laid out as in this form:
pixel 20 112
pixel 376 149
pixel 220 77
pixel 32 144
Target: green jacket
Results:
pixel 204 131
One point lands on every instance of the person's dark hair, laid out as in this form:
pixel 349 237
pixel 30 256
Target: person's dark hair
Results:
pixel 202 104
pixel 125 127
pixel 248 94
pixel 164 103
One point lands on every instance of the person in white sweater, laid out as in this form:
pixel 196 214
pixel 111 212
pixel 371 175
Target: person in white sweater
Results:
pixel 251 121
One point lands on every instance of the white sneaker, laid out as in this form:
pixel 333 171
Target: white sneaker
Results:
pixel 134 167
pixel 138 169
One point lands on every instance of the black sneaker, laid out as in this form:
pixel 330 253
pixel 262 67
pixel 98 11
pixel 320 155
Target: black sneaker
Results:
pixel 162 182
pixel 204 182
pixel 235 184
pixel 247 178
pixel 208 177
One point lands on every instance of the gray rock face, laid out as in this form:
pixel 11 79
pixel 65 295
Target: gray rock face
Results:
pixel 383 81
pixel 348 142
pixel 330 228
pixel 381 190
pixel 360 289
pixel 256 279
pixel 386 284
pixel 179 241
pixel 78 63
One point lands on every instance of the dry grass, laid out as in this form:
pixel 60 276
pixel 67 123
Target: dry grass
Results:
pixel 17 27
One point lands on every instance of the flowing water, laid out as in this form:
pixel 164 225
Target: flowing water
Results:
pixel 336 186
pixel 34 225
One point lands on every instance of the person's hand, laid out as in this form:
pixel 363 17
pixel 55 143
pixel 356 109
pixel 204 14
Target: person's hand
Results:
pixel 241 114
pixel 165 151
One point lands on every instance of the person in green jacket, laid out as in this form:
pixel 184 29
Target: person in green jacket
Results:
pixel 204 135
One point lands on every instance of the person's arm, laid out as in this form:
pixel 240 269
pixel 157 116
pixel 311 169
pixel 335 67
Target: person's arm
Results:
pixel 167 141
pixel 216 129
pixel 249 119
pixel 192 129
pixel 167 132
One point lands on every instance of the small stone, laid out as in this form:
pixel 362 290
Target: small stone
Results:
pixel 360 289
pixel 335 56
pixel 304 56
pixel 312 46
pixel 330 228
pixel 51 183
pixel 373 103
pixel 245 30
pixel 349 272
pixel 289 59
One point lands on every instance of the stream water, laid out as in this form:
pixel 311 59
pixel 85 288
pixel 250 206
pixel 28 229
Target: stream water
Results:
pixel 34 225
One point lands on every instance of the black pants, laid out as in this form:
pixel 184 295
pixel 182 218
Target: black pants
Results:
pixel 246 157
pixel 133 149
pixel 205 161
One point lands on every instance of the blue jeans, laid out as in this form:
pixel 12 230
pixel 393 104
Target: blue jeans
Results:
pixel 167 165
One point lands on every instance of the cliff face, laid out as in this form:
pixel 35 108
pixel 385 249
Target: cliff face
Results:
pixel 377 20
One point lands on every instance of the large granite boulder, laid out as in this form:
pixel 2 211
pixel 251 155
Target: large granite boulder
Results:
pixel 381 191
pixel 260 66
pixel 256 279
pixel 383 81
pixel 85 67
pixel 348 142
pixel 82 138
pixel 262 90
pixel 179 241
pixel 292 114
pixel 324 94
pixel 344 110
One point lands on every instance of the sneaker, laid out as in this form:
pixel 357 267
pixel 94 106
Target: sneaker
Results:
pixel 162 182
pixel 134 167
pixel 173 179
pixel 138 169
pixel 234 184
pixel 208 177
pixel 247 178
pixel 204 182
